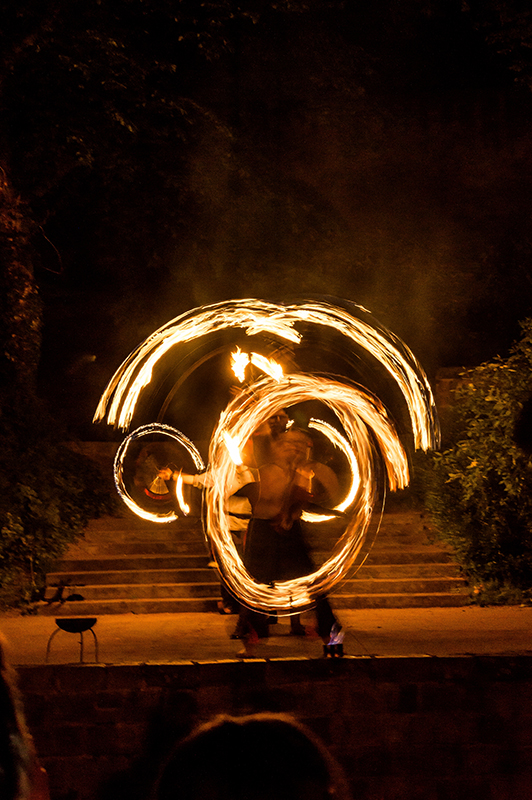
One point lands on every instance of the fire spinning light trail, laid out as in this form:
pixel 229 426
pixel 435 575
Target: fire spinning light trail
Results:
pixel 339 441
pixel 364 434
pixel 254 316
pixel 358 413
pixel 146 431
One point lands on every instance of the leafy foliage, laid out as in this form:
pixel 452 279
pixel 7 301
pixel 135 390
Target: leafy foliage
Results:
pixel 507 26
pixel 480 488
pixel 20 305
pixel 48 493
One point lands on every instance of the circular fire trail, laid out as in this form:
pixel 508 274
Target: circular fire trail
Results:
pixel 332 348
pixel 358 413
pixel 148 431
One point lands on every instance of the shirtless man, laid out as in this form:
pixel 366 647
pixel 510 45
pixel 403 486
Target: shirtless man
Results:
pixel 275 549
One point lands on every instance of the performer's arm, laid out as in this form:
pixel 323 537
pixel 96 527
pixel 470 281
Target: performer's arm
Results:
pixel 199 480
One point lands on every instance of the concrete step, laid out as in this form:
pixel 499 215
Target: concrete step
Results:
pixel 402 585
pixel 194 569
pixel 135 591
pixel 367 579
pixel 126 577
pixel 131 522
pixel 124 564
pixel 145 561
pixel 132 563
pixel 201 604
pixel 410 600
pixel 194 587
pixel 427 555
pixel 171 605
pixel 141 547
pixel 407 569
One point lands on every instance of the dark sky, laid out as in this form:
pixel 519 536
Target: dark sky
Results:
pixel 377 151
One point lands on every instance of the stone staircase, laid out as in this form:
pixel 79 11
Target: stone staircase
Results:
pixel 126 565
pixel 407 567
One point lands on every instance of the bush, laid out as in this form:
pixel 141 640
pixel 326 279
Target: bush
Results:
pixel 479 489
pixel 47 495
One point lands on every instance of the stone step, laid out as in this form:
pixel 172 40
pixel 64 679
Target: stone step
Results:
pixel 131 522
pixel 428 585
pixel 175 605
pixel 124 564
pixel 380 552
pixel 391 580
pixel 137 548
pixel 140 536
pixel 399 556
pixel 410 600
pixel 132 563
pixel 402 528
pixel 407 569
pixel 171 605
pixel 197 588
pixel 133 591
pixel 195 570
pixel 126 577
pixel 143 561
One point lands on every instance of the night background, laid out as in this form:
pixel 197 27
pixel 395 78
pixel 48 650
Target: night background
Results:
pixel 165 155
pixel 157 156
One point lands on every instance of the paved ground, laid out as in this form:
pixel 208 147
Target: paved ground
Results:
pixel 166 638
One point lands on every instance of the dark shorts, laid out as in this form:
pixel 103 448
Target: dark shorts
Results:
pixel 272 555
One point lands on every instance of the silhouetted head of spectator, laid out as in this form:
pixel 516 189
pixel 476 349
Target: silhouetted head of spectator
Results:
pixel 257 757
pixel 14 751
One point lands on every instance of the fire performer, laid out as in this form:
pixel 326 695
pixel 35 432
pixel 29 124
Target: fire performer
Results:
pixel 275 549
pixel 257 451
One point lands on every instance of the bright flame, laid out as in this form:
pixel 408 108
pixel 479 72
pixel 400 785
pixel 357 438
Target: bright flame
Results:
pixel 339 441
pixel 119 400
pixel 359 414
pixel 183 505
pixel 118 468
pixel 369 435
pixel 232 448
pixel 239 362
pixel 268 365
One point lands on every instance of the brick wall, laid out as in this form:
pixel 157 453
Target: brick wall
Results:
pixel 403 728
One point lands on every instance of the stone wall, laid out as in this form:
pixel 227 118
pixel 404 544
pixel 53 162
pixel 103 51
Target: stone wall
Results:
pixel 403 728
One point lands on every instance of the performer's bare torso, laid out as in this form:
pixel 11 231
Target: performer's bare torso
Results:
pixel 290 470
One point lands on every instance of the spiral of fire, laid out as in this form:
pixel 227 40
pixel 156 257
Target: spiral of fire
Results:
pixel 365 432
